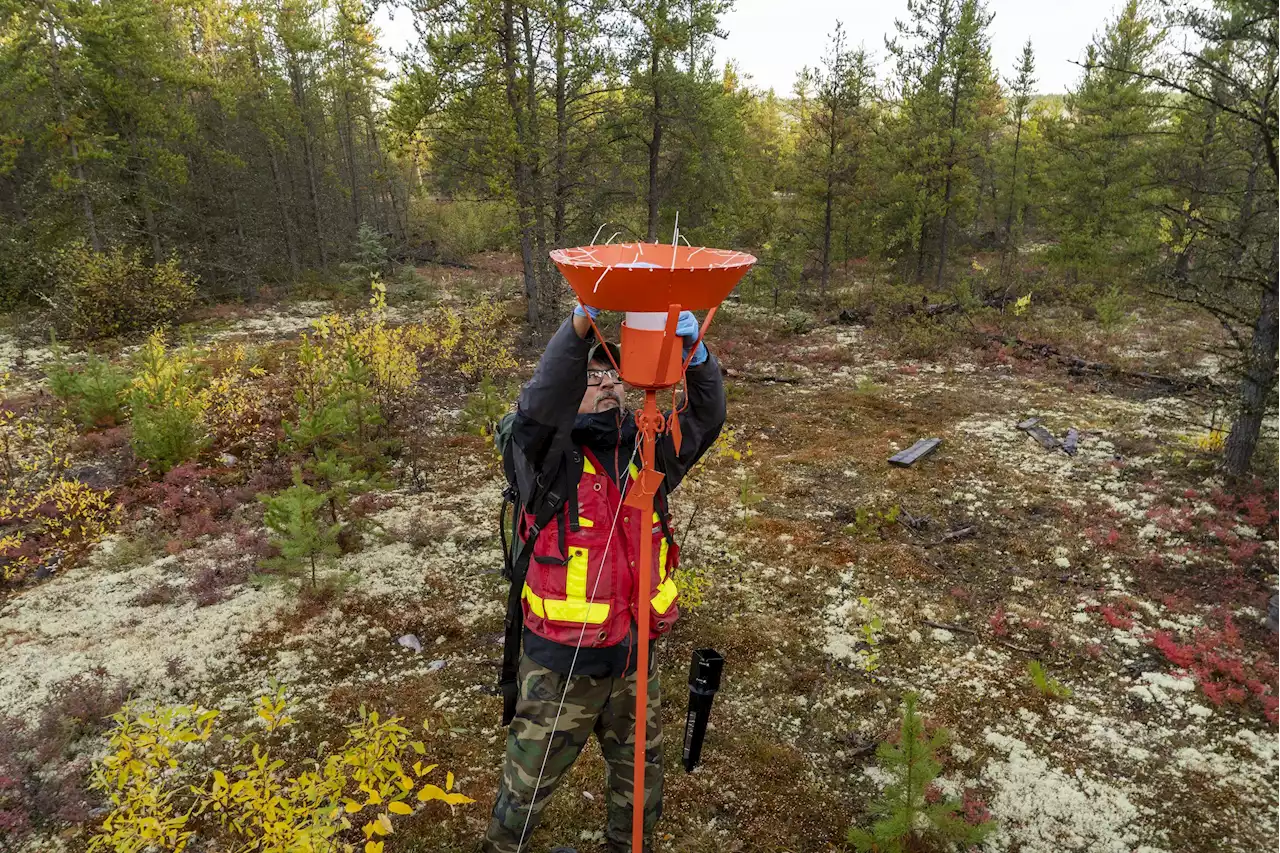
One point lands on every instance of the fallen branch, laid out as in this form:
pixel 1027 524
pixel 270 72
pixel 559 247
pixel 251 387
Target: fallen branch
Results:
pixel 969 530
pixel 746 377
pixel 1015 646
pixel 1075 363
pixel 959 629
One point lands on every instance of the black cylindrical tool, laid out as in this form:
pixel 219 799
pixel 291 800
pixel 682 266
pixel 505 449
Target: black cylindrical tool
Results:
pixel 704 681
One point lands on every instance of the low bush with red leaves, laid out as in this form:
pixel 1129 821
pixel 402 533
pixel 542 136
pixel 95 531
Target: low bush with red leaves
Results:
pixel 1223 669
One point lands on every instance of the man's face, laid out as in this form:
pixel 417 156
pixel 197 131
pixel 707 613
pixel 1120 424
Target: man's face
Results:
pixel 604 396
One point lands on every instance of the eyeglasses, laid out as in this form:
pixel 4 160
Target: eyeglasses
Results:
pixel 595 377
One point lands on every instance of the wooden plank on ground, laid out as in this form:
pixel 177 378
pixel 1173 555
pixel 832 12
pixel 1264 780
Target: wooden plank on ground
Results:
pixel 1046 438
pixel 919 450
pixel 1073 439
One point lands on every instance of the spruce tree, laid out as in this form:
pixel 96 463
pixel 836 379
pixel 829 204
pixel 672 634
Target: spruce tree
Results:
pixel 906 819
pixel 304 540
pixel 1019 105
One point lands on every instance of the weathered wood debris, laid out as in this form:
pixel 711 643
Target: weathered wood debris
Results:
pixel 919 450
pixel 1032 427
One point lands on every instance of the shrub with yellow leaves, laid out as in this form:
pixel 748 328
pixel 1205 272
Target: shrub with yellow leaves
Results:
pixel 104 294
pixel 60 520
pixel 231 404
pixel 149 809
pixel 258 804
pixel 43 515
pixel 35 446
pixel 484 350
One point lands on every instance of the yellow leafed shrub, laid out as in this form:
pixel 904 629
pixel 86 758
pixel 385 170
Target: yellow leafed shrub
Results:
pixel 258 804
pixel 105 294
pixel 63 518
pixel 231 404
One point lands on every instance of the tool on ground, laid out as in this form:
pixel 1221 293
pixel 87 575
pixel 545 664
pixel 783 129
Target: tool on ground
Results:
pixel 651 283
pixel 704 681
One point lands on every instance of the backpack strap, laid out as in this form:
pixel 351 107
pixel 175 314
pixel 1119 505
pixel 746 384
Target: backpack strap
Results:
pixel 550 503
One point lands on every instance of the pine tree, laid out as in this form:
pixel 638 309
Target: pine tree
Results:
pixel 948 103
pixel 906 817
pixel 1019 104
pixel 303 539
pixel 835 131
pixel 1104 186
pixel 1218 229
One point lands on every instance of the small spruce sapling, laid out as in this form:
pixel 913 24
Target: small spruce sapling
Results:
pixel 905 819
pixel 303 539
pixel 485 407
pixel 1046 684
pixel 93 392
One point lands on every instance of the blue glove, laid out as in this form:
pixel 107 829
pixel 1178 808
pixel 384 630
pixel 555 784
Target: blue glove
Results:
pixel 687 328
pixel 581 310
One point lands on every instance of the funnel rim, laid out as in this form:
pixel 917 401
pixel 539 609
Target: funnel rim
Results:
pixel 580 257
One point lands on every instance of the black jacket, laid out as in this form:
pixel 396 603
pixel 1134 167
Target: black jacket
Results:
pixel 546 415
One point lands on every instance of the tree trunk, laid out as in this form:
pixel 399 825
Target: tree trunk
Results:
pixel 286 218
pixel 921 251
pixel 562 125
pixel 537 184
pixel 655 141
pixel 520 165
pixel 948 185
pixel 1013 180
pixel 300 101
pixel 349 143
pixel 1258 381
pixel 86 205
pixel 828 201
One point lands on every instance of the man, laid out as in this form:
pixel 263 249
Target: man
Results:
pixel 577 674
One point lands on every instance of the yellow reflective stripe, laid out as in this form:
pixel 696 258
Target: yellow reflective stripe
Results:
pixel 575 608
pixel 592 613
pixel 666 595
pixel 662 560
pixel 535 603
pixel 635 472
pixel 575 580
pixel 585 522
pixel 587 467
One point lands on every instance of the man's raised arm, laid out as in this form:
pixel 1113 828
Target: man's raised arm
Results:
pixel 549 401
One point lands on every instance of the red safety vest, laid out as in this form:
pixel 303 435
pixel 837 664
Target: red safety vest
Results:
pixel 558 591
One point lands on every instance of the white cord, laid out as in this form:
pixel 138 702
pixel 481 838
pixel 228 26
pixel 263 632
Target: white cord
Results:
pixel 613 526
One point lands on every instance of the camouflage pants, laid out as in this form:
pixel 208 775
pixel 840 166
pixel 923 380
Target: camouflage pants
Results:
pixel 605 706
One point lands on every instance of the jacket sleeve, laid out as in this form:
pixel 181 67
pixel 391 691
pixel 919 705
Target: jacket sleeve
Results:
pixel 700 423
pixel 548 404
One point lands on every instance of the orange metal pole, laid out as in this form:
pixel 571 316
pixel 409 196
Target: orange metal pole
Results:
pixel 644 573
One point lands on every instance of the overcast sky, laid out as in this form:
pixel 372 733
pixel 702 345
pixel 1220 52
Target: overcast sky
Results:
pixel 770 40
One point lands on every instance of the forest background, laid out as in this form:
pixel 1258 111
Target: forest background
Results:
pixel 156 151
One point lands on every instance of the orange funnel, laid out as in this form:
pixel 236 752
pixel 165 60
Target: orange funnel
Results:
pixel 652 283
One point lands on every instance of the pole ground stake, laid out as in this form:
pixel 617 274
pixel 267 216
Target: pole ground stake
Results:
pixel 704 681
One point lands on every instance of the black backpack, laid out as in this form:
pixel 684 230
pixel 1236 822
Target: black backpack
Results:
pixel 548 498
